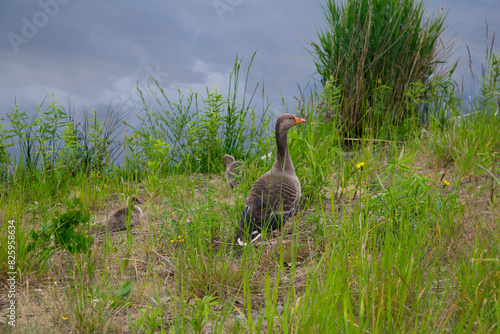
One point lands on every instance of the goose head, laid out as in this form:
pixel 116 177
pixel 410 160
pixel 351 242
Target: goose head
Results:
pixel 134 200
pixel 227 159
pixel 287 121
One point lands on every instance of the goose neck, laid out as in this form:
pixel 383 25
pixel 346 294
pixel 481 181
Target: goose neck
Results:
pixel 283 161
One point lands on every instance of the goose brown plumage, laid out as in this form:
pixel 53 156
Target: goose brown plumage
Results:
pixel 275 195
pixel 234 169
pixel 117 220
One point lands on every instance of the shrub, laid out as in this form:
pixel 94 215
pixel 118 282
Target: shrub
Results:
pixel 374 47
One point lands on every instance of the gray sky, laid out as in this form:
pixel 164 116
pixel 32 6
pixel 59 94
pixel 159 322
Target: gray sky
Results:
pixel 93 52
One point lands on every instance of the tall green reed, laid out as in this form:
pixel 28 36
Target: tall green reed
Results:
pixel 462 134
pixel 372 45
pixel 53 142
pixel 193 134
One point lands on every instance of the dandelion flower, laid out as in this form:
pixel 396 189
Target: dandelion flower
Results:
pixel 361 164
pixel 172 240
pixel 64 318
pixel 446 183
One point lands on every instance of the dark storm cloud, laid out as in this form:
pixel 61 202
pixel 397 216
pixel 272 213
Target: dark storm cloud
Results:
pixel 93 52
pixel 97 50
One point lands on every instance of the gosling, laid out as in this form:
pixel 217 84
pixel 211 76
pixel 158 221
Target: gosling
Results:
pixel 117 220
pixel 234 170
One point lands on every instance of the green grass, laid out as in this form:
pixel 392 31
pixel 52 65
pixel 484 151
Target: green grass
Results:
pixel 386 247
pixel 390 236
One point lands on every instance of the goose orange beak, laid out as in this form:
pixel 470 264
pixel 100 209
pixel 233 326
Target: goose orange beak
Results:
pixel 299 120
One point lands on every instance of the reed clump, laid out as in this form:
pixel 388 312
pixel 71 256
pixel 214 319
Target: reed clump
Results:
pixel 375 50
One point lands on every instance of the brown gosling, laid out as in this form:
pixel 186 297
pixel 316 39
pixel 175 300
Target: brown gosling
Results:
pixel 234 170
pixel 117 220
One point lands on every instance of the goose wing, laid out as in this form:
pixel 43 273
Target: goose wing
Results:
pixel 272 200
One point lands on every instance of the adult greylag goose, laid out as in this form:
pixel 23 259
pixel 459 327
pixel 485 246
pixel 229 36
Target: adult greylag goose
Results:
pixel 234 169
pixel 275 195
pixel 117 220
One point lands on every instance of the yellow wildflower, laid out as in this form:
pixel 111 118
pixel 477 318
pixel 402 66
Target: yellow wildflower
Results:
pixel 64 318
pixel 446 183
pixel 361 164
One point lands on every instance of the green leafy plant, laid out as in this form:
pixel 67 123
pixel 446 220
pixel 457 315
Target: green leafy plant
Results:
pixel 21 133
pixel 202 312
pixel 69 157
pixel 62 231
pixel 149 321
pixel 153 183
pixel 47 134
pixel 204 134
